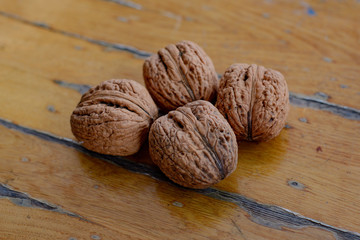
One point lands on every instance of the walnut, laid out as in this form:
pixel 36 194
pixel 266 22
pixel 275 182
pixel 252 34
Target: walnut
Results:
pixel 254 100
pixel 178 74
pixel 114 117
pixel 194 145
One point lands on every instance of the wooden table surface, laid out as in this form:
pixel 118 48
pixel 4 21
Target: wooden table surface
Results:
pixel 304 184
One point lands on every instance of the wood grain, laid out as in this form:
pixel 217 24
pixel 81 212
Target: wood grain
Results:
pixel 312 168
pixel 29 223
pixel 314 45
pixel 114 201
pixel 286 158
pixel 61 57
pixel 29 84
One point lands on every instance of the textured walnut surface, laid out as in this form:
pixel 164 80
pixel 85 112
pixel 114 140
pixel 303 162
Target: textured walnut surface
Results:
pixel 254 100
pixel 114 117
pixel 194 145
pixel 178 74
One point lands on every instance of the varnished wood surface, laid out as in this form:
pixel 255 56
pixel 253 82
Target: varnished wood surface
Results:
pixel 311 169
pixel 316 51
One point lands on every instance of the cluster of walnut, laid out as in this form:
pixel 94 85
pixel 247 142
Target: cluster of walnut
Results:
pixel 195 143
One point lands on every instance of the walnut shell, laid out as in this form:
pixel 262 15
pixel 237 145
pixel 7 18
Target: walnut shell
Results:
pixel 114 117
pixel 178 74
pixel 194 145
pixel 254 100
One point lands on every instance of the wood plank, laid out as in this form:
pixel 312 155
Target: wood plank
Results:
pixel 28 87
pixel 115 202
pixel 55 56
pixel 29 223
pixel 311 43
pixel 36 101
pixel 299 176
pixel 257 177
pixel 312 168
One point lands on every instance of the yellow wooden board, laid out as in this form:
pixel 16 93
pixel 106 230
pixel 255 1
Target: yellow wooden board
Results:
pixel 301 185
pixel 87 196
pixel 314 43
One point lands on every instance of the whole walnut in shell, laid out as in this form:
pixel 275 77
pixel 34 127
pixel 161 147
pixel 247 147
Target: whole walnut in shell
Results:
pixel 254 100
pixel 194 145
pixel 178 74
pixel 114 117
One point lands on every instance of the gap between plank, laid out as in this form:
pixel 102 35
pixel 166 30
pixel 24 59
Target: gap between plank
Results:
pixel 266 215
pixel 120 47
pixel 24 200
pixel 126 4
pixel 296 99
pixel 269 216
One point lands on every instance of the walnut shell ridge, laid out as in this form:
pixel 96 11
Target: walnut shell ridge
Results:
pixel 114 117
pixel 254 100
pixel 178 74
pixel 194 145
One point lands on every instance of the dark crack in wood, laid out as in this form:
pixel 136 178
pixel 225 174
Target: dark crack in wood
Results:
pixel 239 229
pixel 274 216
pixel 319 104
pixel 117 46
pixel 81 88
pixel 316 103
pixel 126 4
pixel 119 161
pixel 265 215
pixel 24 200
pixel 295 99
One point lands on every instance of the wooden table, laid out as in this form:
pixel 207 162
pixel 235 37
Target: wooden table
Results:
pixel 302 185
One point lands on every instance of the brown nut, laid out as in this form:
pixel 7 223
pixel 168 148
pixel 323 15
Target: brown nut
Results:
pixel 194 145
pixel 178 74
pixel 114 117
pixel 254 100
